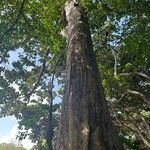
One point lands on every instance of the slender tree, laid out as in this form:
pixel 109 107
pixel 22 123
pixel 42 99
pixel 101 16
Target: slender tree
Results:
pixel 85 119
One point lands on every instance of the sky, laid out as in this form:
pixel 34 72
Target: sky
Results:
pixel 9 130
pixel 8 125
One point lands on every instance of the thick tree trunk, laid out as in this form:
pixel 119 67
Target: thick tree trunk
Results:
pixel 85 120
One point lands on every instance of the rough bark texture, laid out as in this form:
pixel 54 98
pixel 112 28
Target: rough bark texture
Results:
pixel 85 120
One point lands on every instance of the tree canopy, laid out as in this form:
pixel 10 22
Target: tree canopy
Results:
pixel 32 63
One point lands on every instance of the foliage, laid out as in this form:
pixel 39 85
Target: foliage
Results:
pixel 30 30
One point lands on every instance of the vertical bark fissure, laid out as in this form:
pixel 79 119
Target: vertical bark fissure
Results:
pixel 85 119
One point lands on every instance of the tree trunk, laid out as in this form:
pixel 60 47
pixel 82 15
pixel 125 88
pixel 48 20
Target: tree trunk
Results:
pixel 49 132
pixel 85 119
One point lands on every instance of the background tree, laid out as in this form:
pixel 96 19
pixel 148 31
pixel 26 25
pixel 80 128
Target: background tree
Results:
pixel 11 146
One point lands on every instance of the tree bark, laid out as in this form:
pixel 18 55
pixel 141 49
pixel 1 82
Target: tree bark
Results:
pixel 49 132
pixel 85 119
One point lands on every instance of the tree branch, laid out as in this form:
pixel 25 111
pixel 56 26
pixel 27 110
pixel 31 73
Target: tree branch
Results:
pixel 136 130
pixel 40 76
pixel 140 134
pixel 146 125
pixel 135 93
pixel 136 73
pixel 27 22
pixel 143 75
pixel 115 62
pixel 139 94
